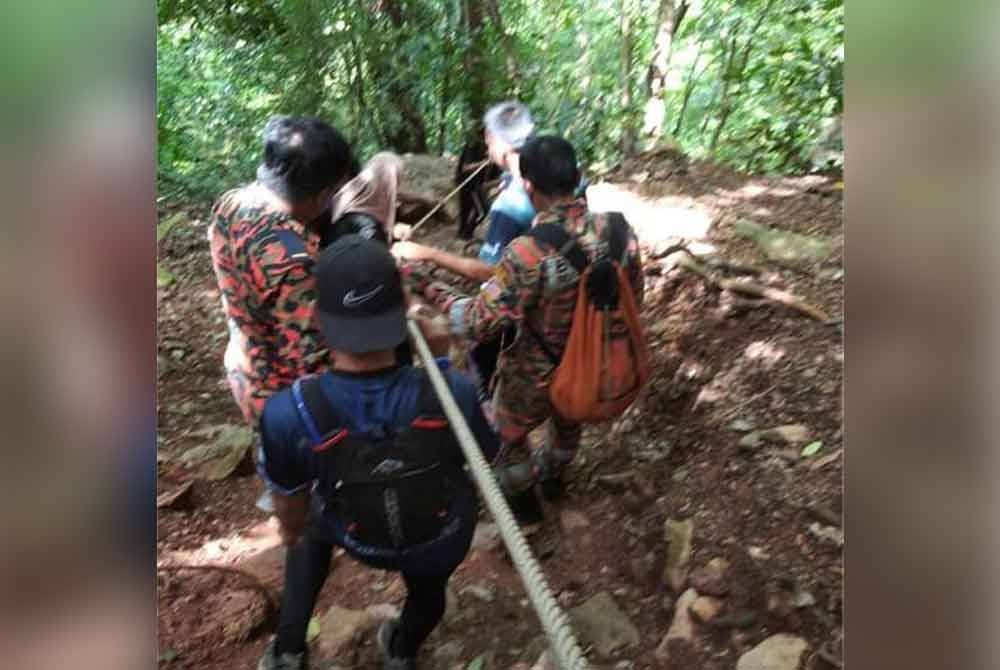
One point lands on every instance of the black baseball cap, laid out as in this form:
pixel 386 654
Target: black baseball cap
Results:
pixel 360 303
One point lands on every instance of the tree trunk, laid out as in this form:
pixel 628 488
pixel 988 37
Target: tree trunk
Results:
pixel 628 127
pixel 736 76
pixel 443 111
pixel 668 21
pixel 727 78
pixel 409 135
pixel 692 81
pixel 513 69
pixel 476 85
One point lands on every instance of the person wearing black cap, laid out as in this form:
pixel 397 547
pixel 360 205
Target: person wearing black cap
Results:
pixel 362 458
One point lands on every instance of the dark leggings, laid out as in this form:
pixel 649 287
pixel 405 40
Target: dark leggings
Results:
pixel 307 566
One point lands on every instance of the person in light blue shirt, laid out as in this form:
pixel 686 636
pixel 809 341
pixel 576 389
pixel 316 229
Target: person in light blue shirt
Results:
pixel 508 126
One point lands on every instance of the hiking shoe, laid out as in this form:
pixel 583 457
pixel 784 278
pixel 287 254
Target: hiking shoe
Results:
pixel 550 464
pixel 553 488
pixel 526 508
pixel 515 478
pixel 286 661
pixel 383 640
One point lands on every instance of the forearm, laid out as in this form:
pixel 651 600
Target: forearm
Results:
pixel 473 268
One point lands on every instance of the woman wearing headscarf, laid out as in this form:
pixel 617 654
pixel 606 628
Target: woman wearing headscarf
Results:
pixel 366 205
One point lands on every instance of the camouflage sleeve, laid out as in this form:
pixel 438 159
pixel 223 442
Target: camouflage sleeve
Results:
pixel 286 289
pixel 501 301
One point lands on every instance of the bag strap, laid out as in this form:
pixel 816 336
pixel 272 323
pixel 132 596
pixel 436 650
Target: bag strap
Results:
pixel 317 413
pixel 541 343
pixel 428 405
pixel 566 245
pixel 618 229
pixel 293 244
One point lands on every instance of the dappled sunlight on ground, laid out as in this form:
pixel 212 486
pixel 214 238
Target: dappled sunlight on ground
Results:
pixel 766 352
pixel 654 219
pixel 228 550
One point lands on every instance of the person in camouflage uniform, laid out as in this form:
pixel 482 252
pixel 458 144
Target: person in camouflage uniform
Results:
pixel 263 242
pixel 522 294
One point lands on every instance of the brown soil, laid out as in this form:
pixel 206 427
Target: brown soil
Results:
pixel 715 360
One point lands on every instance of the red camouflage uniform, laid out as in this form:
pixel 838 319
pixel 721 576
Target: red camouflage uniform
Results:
pixel 515 295
pixel 268 295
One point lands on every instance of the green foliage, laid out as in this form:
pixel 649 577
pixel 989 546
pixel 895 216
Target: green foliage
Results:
pixel 790 84
pixel 750 82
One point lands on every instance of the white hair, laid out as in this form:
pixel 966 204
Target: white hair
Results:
pixel 511 122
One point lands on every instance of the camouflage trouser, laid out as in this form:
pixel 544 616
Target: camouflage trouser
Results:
pixel 520 406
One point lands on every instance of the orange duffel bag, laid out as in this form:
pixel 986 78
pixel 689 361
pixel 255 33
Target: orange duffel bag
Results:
pixel 605 363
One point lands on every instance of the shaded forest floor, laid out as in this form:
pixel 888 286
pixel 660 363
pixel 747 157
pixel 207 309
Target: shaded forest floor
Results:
pixel 768 505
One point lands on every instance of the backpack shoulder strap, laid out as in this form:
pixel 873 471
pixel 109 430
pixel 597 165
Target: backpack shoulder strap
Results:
pixel 565 244
pixel 293 244
pixel 430 415
pixel 569 248
pixel 617 234
pixel 317 414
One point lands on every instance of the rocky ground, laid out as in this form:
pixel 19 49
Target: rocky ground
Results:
pixel 701 530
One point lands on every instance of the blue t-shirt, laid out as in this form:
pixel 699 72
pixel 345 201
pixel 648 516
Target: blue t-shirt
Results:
pixel 510 216
pixel 368 402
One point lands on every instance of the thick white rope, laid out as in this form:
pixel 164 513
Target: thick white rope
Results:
pixel 445 199
pixel 554 621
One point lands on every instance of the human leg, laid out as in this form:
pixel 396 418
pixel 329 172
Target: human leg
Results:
pixel 553 456
pixel 307 565
pixel 516 416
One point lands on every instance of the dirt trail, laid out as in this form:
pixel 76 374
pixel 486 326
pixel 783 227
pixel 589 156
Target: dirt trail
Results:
pixel 722 368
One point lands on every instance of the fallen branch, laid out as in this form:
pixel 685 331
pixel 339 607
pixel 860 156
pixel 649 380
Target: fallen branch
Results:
pixel 717 263
pixel 782 297
pixel 672 249
pixel 751 288
pixel 826 655
pixel 733 410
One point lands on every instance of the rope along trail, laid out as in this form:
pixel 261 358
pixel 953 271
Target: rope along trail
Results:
pixel 554 620
pixel 445 199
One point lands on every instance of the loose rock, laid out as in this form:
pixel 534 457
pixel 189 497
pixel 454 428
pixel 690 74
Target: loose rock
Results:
pixel 778 652
pixel 682 627
pixel 179 498
pixel 751 440
pixel 783 246
pixel 678 538
pixel 601 623
pixel 705 608
pixel 228 446
pixel 791 434
pixel 480 592
pixel 741 426
pixel 711 579
pixel 340 628
pixel 827 534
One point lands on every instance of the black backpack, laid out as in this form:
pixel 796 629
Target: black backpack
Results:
pixel 393 491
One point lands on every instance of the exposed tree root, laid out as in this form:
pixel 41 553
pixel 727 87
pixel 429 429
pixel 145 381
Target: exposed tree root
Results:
pixel 750 288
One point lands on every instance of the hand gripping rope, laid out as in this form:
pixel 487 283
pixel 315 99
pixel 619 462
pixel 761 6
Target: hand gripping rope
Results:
pixel 554 620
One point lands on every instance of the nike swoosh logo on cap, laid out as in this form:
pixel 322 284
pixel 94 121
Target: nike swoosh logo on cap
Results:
pixel 353 300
